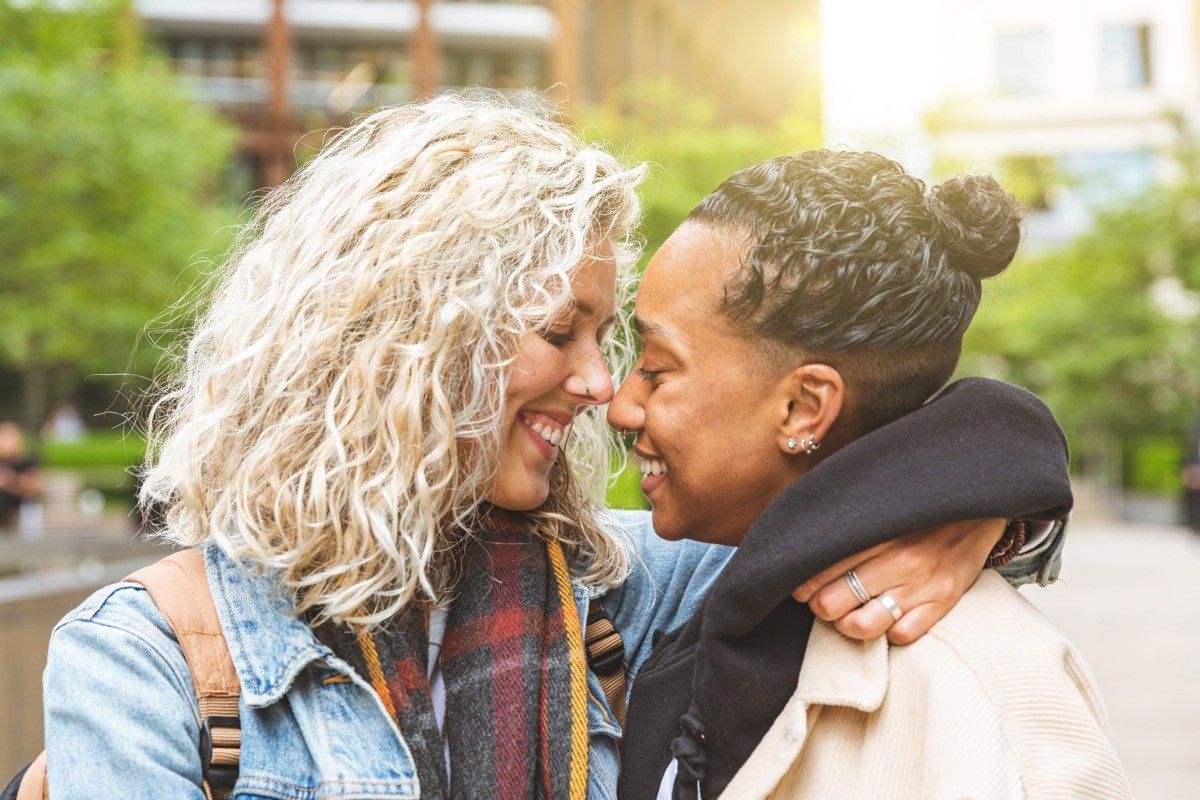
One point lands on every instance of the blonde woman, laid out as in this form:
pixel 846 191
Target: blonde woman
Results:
pixel 385 442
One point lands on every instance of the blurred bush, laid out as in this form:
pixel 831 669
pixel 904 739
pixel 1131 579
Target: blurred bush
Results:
pixel 1153 465
pixel 106 461
pixel 107 449
pixel 625 490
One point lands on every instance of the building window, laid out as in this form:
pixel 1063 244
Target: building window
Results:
pixel 1125 57
pixel 1021 62
pixel 1103 178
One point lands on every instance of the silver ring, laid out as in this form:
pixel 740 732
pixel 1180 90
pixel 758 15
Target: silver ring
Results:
pixel 856 586
pixel 893 608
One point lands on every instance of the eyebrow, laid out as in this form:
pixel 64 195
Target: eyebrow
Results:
pixel 580 307
pixel 647 328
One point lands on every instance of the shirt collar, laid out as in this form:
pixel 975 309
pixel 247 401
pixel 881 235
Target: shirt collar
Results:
pixel 837 671
pixel 840 671
pixel 268 644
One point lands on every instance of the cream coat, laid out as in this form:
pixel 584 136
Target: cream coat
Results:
pixel 993 703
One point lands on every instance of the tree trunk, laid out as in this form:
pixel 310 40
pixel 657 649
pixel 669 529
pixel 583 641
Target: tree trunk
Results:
pixel 35 388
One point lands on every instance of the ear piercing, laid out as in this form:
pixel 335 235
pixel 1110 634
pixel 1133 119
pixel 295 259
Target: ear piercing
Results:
pixel 809 446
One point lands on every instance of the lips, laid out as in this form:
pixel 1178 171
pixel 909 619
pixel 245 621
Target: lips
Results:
pixel 548 430
pixel 654 471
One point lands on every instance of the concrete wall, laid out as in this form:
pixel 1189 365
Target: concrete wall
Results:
pixel 30 605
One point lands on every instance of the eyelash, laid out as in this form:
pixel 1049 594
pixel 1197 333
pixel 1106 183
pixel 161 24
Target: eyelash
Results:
pixel 558 338
pixel 650 376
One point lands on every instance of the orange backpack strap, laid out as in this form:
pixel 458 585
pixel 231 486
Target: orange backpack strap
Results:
pixel 178 585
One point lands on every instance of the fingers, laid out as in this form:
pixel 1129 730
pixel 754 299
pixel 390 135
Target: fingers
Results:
pixel 925 573
pixel 918 622
pixel 890 567
pixel 836 599
pixel 807 590
pixel 870 621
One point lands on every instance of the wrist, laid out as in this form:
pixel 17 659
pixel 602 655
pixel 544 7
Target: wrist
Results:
pixel 1010 544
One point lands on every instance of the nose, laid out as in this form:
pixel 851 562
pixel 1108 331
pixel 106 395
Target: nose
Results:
pixel 591 382
pixel 626 411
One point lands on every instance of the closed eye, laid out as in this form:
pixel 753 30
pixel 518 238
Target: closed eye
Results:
pixel 557 338
pixel 650 376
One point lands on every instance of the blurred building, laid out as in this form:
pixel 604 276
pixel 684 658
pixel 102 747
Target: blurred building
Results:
pixel 284 67
pixel 1074 104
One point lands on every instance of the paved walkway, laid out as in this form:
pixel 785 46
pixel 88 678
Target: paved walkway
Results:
pixel 1130 600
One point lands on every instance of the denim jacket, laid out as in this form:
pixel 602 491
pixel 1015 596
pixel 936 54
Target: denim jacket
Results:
pixel 122 719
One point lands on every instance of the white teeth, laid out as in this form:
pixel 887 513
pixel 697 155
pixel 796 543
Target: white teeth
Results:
pixel 550 431
pixel 651 466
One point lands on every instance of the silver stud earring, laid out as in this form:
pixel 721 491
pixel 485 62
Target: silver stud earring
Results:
pixel 811 445
pixel 792 444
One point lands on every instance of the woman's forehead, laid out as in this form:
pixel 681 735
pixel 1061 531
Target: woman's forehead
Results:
pixel 594 286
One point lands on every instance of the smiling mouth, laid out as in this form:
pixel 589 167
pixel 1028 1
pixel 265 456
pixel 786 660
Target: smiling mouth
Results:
pixel 650 467
pixel 551 430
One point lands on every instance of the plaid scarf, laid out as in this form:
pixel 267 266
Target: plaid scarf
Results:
pixel 513 662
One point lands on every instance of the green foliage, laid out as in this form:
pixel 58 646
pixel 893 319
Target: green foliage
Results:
pixel 1101 329
pixel 108 174
pixel 1154 465
pixel 625 488
pixel 688 150
pixel 96 450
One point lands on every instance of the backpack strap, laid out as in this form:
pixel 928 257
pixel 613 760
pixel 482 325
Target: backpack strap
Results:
pixel 178 585
pixel 606 657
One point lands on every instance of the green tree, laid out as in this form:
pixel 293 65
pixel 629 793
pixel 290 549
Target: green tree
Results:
pixel 1107 329
pixel 108 189
pixel 689 150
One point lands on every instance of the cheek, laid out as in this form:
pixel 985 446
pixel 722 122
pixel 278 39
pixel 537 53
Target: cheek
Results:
pixel 538 370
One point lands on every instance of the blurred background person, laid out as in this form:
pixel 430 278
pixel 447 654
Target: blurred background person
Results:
pixel 1191 474
pixel 20 476
pixel 65 424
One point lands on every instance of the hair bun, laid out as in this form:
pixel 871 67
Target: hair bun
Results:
pixel 978 223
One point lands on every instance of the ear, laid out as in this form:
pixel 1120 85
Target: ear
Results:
pixel 811 397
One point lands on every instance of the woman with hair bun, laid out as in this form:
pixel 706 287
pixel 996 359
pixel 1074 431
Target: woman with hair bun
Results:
pixel 810 307
pixel 385 443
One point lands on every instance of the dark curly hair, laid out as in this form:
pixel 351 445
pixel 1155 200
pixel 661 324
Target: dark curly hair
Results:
pixel 853 263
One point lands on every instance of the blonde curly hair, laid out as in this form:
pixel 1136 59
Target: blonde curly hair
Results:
pixel 338 411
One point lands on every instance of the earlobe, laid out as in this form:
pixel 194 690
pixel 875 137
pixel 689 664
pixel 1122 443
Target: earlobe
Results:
pixel 814 401
pixel 808 445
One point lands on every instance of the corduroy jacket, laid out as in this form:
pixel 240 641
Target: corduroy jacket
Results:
pixel 993 704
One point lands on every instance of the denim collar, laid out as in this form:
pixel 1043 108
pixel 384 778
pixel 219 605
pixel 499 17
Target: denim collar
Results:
pixel 268 644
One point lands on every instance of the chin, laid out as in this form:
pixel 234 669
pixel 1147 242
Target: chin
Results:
pixel 674 529
pixel 521 499
pixel 668 526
